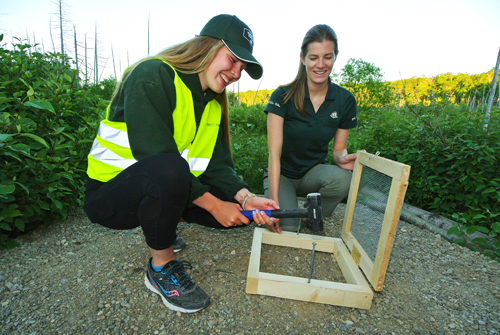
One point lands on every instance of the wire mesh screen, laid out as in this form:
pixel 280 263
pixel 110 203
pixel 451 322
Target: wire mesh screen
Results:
pixel 369 210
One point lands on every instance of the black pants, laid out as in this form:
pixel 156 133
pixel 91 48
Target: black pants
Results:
pixel 152 193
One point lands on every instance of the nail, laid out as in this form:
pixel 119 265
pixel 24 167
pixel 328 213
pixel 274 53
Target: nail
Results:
pixel 312 262
pixel 261 212
pixel 271 219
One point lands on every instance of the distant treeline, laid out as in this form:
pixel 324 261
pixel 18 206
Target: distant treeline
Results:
pixel 471 89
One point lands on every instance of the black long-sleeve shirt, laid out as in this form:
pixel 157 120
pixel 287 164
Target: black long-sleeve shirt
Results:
pixel 146 101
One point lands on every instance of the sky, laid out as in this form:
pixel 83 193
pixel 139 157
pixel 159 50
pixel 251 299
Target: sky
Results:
pixel 403 38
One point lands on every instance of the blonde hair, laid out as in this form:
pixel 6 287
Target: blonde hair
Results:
pixel 318 33
pixel 191 57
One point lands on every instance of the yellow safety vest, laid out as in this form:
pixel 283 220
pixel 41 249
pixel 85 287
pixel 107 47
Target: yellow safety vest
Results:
pixel 110 153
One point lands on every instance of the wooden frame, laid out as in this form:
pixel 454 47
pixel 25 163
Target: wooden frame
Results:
pixel 356 292
pixel 400 173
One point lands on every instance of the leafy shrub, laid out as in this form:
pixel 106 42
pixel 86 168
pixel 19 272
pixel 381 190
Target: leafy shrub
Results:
pixel 455 168
pixel 47 124
pixel 249 142
pixel 365 81
pixel 104 89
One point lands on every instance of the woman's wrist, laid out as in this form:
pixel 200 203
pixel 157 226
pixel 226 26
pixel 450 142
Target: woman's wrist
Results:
pixel 240 195
pixel 245 199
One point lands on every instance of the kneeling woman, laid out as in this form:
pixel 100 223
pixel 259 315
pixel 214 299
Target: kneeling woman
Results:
pixel 163 153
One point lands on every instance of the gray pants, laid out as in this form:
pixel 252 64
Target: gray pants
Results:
pixel 331 181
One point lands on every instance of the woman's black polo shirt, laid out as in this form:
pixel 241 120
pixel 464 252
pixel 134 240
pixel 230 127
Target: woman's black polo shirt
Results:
pixel 306 139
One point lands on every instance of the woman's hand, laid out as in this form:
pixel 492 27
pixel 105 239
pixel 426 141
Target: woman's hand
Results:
pixel 258 205
pixel 347 162
pixel 229 214
pixel 226 213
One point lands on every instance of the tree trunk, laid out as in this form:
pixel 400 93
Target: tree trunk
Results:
pixel 61 27
pixel 76 50
pixel 113 57
pixel 96 69
pixel 86 60
pixel 492 90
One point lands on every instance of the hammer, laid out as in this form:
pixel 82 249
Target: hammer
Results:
pixel 313 212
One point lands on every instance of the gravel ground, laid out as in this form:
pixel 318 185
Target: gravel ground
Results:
pixel 75 277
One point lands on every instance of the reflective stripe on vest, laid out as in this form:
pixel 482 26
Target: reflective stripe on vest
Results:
pixel 199 152
pixel 110 153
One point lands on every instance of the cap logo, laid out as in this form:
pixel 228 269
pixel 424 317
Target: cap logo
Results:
pixel 247 34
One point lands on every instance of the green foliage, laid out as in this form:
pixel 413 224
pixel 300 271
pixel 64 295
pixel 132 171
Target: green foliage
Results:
pixel 103 89
pixel 365 81
pixel 471 89
pixel 47 124
pixel 249 98
pixel 249 142
pixel 453 157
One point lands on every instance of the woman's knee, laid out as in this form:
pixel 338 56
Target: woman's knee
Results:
pixel 337 183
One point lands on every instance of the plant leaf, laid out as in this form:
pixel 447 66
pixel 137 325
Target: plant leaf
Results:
pixel 40 104
pixel 37 138
pixel 7 189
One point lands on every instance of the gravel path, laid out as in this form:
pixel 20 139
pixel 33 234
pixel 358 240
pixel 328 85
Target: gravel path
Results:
pixel 76 277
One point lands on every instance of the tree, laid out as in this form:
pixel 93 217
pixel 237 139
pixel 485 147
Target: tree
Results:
pixel 365 81
pixel 62 28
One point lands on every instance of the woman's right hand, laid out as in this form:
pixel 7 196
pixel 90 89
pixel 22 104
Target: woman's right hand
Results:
pixel 229 214
pixel 226 213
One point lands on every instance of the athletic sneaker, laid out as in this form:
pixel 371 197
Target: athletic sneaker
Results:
pixel 179 244
pixel 176 289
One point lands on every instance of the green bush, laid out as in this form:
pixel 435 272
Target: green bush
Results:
pixel 249 143
pixel 453 156
pixel 104 89
pixel 47 124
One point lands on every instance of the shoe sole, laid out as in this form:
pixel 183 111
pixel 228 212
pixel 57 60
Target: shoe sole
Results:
pixel 152 288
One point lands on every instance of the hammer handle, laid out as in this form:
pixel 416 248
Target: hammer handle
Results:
pixel 285 213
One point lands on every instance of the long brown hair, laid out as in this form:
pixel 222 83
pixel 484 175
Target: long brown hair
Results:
pixel 318 33
pixel 191 57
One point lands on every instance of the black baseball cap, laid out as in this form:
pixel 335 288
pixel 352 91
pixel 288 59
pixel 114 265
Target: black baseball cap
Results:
pixel 237 37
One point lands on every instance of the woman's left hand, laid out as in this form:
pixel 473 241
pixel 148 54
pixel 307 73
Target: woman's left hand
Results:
pixel 347 162
pixel 258 204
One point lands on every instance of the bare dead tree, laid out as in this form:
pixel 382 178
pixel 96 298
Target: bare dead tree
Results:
pixel 113 58
pixel 86 60
pixel 492 90
pixel 62 16
pixel 96 63
pixel 28 41
pixel 100 62
pixel 51 38
pixel 61 27
pixel 76 50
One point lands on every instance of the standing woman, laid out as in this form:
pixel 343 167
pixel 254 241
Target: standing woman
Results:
pixel 163 153
pixel 302 118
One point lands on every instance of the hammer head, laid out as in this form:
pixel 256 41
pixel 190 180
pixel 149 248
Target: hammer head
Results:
pixel 315 212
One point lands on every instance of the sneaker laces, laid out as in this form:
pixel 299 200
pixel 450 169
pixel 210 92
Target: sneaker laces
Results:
pixel 177 270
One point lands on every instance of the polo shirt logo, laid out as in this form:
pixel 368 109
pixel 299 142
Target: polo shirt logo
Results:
pixel 247 34
pixel 274 103
pixel 334 115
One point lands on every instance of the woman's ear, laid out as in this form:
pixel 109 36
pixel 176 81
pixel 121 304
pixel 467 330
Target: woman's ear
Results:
pixel 302 60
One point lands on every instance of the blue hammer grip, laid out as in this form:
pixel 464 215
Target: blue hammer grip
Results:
pixel 249 214
pixel 286 213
